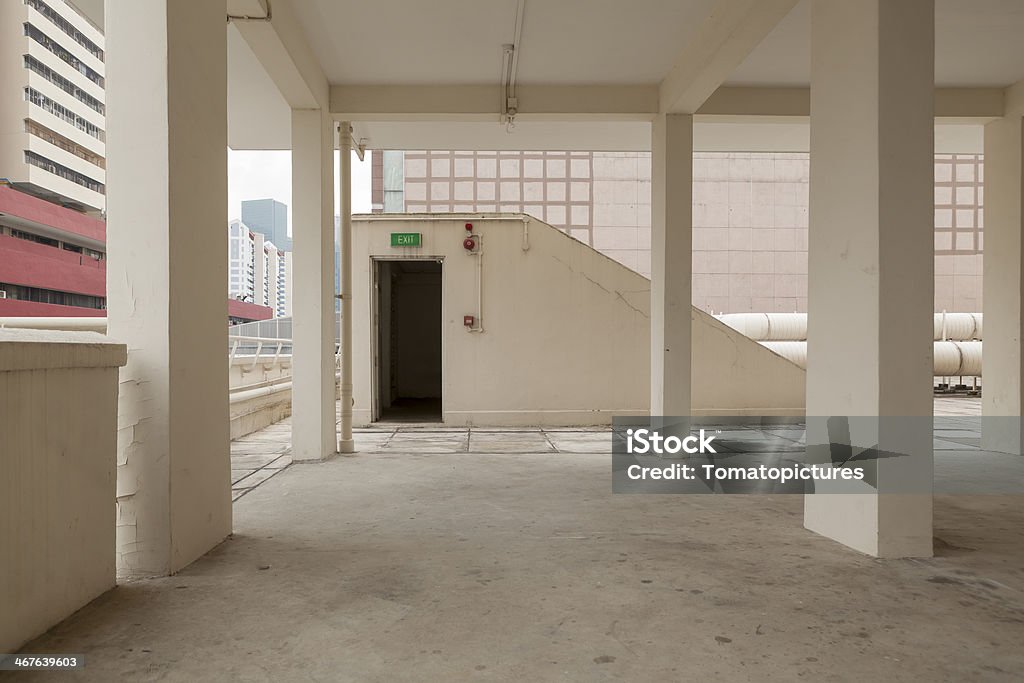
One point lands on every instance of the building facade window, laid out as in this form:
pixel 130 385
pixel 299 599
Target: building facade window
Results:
pixel 64 172
pixel 67 27
pixel 64 84
pixel 62 112
pixel 65 56
pixel 58 140
pixel 52 296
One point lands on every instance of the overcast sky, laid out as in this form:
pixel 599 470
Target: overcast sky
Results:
pixel 262 175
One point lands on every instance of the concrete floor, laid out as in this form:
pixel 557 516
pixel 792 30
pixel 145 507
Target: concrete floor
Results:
pixel 404 563
pixel 257 457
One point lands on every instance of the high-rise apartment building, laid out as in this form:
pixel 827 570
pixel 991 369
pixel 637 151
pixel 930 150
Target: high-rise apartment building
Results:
pixel 270 218
pixel 52 113
pixel 258 272
pixel 52 169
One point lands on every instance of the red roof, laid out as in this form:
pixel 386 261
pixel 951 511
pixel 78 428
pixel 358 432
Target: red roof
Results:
pixel 248 311
pixel 29 208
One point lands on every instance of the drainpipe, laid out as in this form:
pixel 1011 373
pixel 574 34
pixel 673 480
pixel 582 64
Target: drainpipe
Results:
pixel 345 443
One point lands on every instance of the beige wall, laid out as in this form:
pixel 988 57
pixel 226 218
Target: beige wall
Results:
pixel 554 312
pixel 750 215
pixel 58 452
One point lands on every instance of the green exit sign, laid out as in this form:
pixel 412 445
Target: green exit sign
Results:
pixel 406 239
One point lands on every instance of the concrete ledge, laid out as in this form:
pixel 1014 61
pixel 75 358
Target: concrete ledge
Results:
pixel 53 349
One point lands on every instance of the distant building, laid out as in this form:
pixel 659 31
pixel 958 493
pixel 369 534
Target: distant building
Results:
pixel 52 111
pixel 258 272
pixel 52 170
pixel 268 217
pixel 52 260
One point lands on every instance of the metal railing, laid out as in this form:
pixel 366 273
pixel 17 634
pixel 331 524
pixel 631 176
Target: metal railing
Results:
pixel 259 349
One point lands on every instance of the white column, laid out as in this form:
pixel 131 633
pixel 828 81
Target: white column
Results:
pixel 671 262
pixel 313 366
pixel 345 443
pixel 1003 394
pixel 167 264
pixel 871 262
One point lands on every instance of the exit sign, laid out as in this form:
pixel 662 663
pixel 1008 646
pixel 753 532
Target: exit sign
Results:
pixel 406 239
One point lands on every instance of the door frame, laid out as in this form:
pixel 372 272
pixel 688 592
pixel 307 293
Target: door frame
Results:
pixel 375 350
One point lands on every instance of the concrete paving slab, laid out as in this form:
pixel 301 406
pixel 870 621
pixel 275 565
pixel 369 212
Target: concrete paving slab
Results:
pixel 280 462
pixel 259 447
pixel 257 478
pixel 406 443
pixel 237 475
pixel 581 442
pixel 509 442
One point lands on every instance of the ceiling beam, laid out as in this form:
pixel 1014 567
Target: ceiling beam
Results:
pixel 612 103
pixel 950 103
pixel 283 49
pixel 483 102
pixel 721 43
pixel 1014 97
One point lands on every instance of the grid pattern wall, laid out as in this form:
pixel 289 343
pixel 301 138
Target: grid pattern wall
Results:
pixel 959 198
pixel 555 187
pixel 750 215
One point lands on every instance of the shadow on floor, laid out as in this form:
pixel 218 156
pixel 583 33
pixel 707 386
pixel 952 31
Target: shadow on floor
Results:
pixel 413 410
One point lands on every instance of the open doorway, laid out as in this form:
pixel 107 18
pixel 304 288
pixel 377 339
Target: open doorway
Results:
pixel 408 303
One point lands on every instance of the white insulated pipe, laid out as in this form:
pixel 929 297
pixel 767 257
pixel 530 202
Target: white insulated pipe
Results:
pixel 957 326
pixel 793 326
pixel 768 326
pixel 952 358
pixel 345 442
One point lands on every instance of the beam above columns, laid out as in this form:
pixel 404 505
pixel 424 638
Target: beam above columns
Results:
pixel 725 38
pixel 479 103
pixel 977 104
pixel 278 41
pixel 482 102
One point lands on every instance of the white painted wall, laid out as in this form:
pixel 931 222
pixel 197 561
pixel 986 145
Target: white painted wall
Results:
pixel 58 454
pixel 566 330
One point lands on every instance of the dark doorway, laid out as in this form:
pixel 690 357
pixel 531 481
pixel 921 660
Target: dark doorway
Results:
pixel 408 341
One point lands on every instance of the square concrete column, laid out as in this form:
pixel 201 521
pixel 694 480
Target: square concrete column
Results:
pixel 1003 395
pixel 313 365
pixel 871 267
pixel 167 264
pixel 671 262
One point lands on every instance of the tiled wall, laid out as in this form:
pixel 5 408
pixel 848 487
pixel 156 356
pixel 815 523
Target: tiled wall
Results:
pixel 750 232
pixel 750 215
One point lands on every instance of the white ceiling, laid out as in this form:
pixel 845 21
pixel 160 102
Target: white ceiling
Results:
pixel 978 43
pixel 391 42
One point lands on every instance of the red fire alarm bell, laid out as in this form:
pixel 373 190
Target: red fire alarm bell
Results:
pixel 469 243
pixel 468 320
